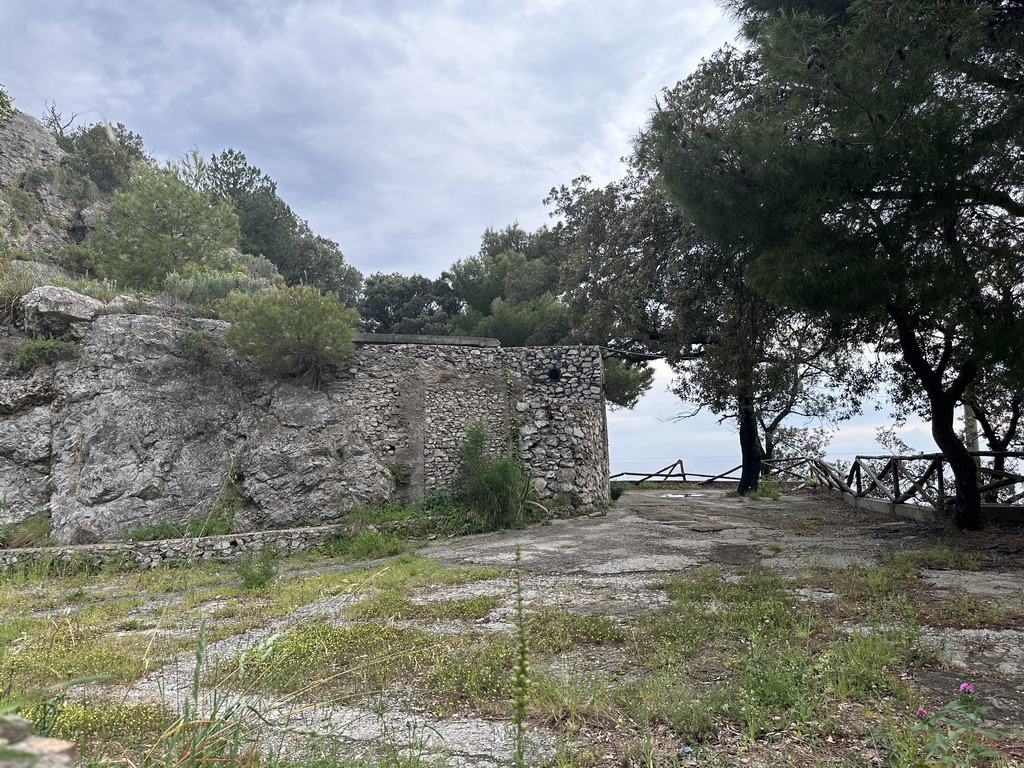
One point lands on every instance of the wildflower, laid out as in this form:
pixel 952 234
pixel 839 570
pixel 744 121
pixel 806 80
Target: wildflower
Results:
pixel 966 688
pixel 922 712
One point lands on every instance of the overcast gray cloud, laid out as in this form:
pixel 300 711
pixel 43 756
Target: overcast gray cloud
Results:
pixel 400 129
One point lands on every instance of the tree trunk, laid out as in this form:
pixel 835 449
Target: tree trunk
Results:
pixel 750 446
pixel 943 398
pixel 769 451
pixel 967 502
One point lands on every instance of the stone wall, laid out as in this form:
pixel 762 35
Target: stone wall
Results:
pixel 140 429
pixel 169 552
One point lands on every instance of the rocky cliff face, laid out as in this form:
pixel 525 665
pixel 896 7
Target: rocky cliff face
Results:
pixel 132 433
pixel 41 205
pixel 157 420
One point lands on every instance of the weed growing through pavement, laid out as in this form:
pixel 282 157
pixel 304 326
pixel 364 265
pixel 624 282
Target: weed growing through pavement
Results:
pixel 257 570
pixel 955 735
pixel 521 680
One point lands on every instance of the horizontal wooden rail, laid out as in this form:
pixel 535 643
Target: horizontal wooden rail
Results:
pixel 919 480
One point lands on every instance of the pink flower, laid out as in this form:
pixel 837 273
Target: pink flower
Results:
pixel 922 712
pixel 966 688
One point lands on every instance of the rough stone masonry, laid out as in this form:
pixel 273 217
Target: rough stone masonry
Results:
pixel 141 427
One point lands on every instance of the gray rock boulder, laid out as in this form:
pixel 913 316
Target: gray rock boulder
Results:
pixel 53 311
pixel 25 145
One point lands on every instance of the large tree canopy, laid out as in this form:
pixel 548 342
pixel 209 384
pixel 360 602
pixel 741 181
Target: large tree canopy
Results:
pixel 637 274
pixel 156 225
pixel 270 228
pixel 866 160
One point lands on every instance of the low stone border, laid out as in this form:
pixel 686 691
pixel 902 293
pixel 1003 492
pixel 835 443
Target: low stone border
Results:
pixel 152 554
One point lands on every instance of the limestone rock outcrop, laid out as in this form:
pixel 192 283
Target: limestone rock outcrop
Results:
pixel 53 311
pixel 49 210
pixel 138 429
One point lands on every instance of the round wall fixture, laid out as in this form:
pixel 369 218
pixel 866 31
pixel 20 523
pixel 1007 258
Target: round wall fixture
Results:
pixel 554 374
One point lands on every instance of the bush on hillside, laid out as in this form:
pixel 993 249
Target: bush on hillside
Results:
pixel 293 332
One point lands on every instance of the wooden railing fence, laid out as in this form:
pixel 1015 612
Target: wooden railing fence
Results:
pixel 924 479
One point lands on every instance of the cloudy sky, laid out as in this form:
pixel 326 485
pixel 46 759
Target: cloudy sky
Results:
pixel 402 129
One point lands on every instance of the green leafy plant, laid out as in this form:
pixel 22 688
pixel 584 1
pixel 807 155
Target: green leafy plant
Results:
pixel 495 488
pixel 366 545
pixel 400 473
pixel 767 488
pixel 200 348
pixel 954 735
pixel 43 351
pixel 202 286
pixel 293 332
pixel 257 570
pixel 31 532
pixel 14 283
pixel 158 225
pixel 24 204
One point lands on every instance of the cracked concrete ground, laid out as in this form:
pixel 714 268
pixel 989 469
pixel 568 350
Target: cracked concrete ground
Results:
pixel 605 563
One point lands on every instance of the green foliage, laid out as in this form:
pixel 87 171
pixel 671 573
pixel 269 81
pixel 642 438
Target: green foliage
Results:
pixel 158 225
pixel 203 287
pixel 495 488
pixel 219 520
pixel 955 734
pixel 767 488
pixel 397 304
pixel 14 283
pixel 24 205
pixel 269 228
pixel 618 488
pixel 201 349
pixel 625 383
pixel 293 332
pixel 6 106
pixel 257 570
pixel 873 165
pixel 136 724
pixel 105 154
pixel 44 350
pixel 366 545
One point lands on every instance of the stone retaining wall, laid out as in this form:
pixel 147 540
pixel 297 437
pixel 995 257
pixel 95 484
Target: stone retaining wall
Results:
pixel 157 420
pixel 169 552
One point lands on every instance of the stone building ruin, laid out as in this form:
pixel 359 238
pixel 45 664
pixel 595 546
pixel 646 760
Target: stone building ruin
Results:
pixel 141 428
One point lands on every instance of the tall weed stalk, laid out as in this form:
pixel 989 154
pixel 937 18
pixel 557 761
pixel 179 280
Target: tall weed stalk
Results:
pixel 521 680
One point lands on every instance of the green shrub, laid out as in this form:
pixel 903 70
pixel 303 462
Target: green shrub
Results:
pixel 257 570
pixel 618 488
pixel 14 283
pixel 25 206
pixel 157 225
pixel 200 349
pixel 366 545
pixel 494 488
pixel 292 332
pixel 203 288
pixel 44 350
